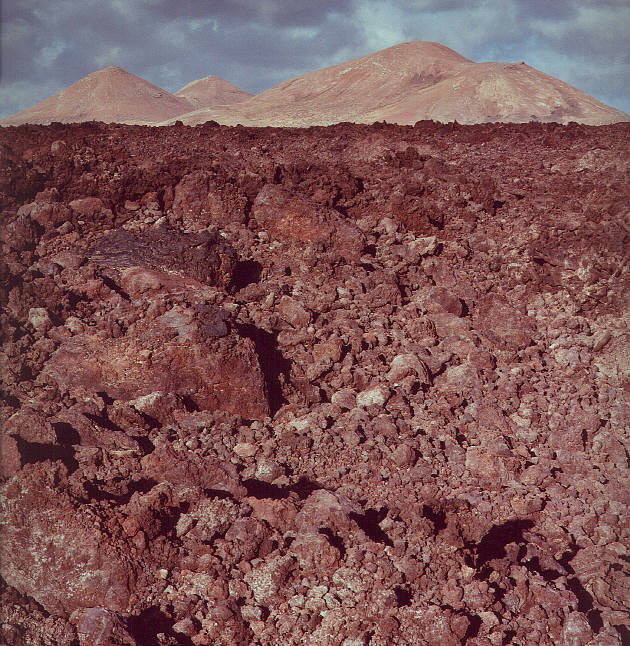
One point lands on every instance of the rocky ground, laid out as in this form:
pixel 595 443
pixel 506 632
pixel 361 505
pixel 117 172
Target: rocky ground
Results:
pixel 349 385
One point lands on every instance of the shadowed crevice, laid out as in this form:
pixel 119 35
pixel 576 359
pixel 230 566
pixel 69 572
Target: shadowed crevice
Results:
pixel 260 489
pixel 492 545
pixel 369 523
pixel 152 622
pixel 32 452
pixel 272 363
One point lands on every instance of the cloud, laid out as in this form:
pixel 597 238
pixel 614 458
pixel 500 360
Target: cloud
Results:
pixel 46 46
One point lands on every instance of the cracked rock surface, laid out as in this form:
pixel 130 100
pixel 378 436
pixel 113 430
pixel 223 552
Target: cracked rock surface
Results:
pixel 333 386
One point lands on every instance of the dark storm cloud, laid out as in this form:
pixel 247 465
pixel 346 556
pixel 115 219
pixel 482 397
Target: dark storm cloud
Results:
pixel 46 46
pixel 275 12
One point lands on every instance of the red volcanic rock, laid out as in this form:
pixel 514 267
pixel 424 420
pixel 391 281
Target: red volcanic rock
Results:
pixel 503 324
pixel 87 206
pixel 293 313
pixel 10 458
pixel 314 552
pixel 46 214
pixel 338 385
pixel 200 256
pixel 199 201
pixel 325 509
pixel 64 561
pixel 176 353
pixel 21 233
pixel 168 465
pixel 267 579
pixel 31 425
pixel 297 219
pixel 102 627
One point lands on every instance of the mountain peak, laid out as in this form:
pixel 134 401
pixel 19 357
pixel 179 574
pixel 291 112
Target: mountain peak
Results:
pixel 211 91
pixel 410 82
pixel 403 84
pixel 111 95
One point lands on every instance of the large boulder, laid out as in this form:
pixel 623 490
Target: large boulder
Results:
pixel 503 324
pixel 295 218
pixel 202 256
pixel 55 552
pixel 200 201
pixel 183 352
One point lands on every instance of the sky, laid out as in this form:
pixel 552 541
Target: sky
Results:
pixel 46 45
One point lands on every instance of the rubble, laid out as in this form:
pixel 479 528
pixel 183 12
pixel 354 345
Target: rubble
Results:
pixel 343 385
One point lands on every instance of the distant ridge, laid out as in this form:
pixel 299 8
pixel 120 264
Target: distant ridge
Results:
pixel 110 95
pixel 401 84
pixel 211 91
pixel 414 81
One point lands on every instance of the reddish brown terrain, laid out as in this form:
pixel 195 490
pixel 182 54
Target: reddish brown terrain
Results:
pixel 355 385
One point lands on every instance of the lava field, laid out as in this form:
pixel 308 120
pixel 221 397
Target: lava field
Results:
pixel 338 386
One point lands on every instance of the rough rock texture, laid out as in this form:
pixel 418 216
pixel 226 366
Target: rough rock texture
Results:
pixel 347 385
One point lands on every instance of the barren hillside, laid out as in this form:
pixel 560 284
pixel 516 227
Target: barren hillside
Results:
pixel 411 82
pixel 111 95
pixel 402 84
pixel 212 91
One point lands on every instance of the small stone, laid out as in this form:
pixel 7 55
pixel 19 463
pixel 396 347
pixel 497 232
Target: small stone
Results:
pixel 424 246
pixel 267 580
pixel 489 618
pixel 252 613
pixel 10 459
pixel 58 147
pixel 87 206
pixel 293 313
pixel 75 325
pixel 184 524
pixel 576 630
pixel 351 438
pixel 268 470
pixel 101 627
pixel 601 339
pixel 69 260
pixel 440 300
pixel 245 449
pixel 66 227
pixel 38 317
pixel 404 365
pixel 163 574
pixel 462 376
pixel 373 397
pixel 185 626
pixel 345 398
pixel 404 455
pixel 138 280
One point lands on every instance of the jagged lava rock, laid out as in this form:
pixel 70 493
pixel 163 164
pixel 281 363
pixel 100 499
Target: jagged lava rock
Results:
pixel 178 353
pixel 296 218
pixel 64 560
